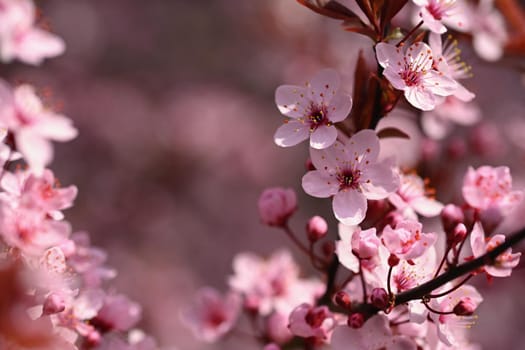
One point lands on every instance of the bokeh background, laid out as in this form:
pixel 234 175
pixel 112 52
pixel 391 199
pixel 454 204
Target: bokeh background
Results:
pixel 174 104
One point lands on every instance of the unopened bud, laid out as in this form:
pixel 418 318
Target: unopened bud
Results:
pixel 276 205
pixel 342 299
pixel 458 235
pixel 451 216
pixel 465 307
pixel 356 320
pixel 393 260
pixel 316 228
pixel 490 219
pixel 379 298
pixel 53 304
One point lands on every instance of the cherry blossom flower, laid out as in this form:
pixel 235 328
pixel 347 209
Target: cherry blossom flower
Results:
pixel 489 34
pixel 118 312
pixel 440 121
pixel 351 173
pixel 406 240
pixel 490 187
pixel 276 205
pixel 364 243
pixel 212 315
pixel 435 13
pixel 413 197
pixel 375 334
pixel 20 38
pixel 447 60
pixel 480 245
pixel 307 321
pixel 412 72
pixel 313 110
pixel 32 125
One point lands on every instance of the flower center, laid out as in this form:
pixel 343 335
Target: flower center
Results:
pixel 317 116
pixel 349 179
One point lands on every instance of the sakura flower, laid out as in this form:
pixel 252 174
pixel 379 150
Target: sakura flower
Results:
pixel 407 241
pixel 19 38
pixel 375 334
pixel 312 109
pixel 118 312
pixel 32 125
pixel 413 197
pixel 504 263
pixel 412 72
pixel 211 315
pixel 439 122
pixel 436 12
pixel 489 34
pixel 447 60
pixel 352 174
pixel 354 244
pixel 490 187
pixel 307 321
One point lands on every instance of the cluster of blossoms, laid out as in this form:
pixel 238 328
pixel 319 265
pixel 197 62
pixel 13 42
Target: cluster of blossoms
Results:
pixel 55 293
pixel 388 282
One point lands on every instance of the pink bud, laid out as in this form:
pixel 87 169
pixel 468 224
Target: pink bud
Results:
pixel 356 320
pixel 458 235
pixel 393 260
pixel 342 299
pixel 490 219
pixel 53 304
pixel 465 307
pixel 451 216
pixel 276 205
pixel 316 228
pixel 93 338
pixel 379 298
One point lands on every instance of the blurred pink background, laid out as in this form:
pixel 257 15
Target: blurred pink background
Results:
pixel 174 104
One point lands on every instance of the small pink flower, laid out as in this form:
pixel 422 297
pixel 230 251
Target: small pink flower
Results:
pixel 352 174
pixel 356 241
pixel 436 12
pixel 118 313
pixel 211 315
pixel 307 321
pixel 33 125
pixel 412 197
pixel 504 263
pixel 20 38
pixel 489 34
pixel 276 205
pixel 407 241
pixel 312 109
pixel 412 72
pixel 489 187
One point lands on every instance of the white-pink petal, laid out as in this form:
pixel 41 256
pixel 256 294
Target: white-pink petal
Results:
pixel 291 133
pixel 292 100
pixel 322 137
pixel 349 207
pixel 320 184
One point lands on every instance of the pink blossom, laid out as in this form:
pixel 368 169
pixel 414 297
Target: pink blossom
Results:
pixel 504 263
pixel 351 173
pixel 20 38
pixel 489 34
pixel 413 197
pixel 406 240
pixel 118 312
pixel 276 205
pixel 307 321
pixel 33 125
pixel 436 12
pixel 412 72
pixel 356 241
pixel 211 315
pixel 490 187
pixel 316 228
pixel 313 110
pixel 375 334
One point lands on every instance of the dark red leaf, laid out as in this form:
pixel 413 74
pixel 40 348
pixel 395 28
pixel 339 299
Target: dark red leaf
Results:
pixel 392 132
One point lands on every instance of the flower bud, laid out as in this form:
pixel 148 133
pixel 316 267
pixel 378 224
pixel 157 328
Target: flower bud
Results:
pixel 458 235
pixel 393 260
pixel 53 304
pixel 379 298
pixel 490 219
pixel 356 320
pixel 465 307
pixel 276 205
pixel 451 216
pixel 316 228
pixel 342 299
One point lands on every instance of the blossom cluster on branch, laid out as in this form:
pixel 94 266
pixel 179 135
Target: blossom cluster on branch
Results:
pixel 388 281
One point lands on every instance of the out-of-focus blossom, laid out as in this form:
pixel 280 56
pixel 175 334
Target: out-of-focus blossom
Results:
pixel 118 312
pixel 436 13
pixel 412 72
pixel 21 39
pixel 480 245
pixel 413 197
pixel 490 187
pixel 32 124
pixel 277 327
pixel 312 109
pixel 407 240
pixel 307 321
pixel 375 334
pixel 276 205
pixel 351 173
pixel 211 315
pixel 488 31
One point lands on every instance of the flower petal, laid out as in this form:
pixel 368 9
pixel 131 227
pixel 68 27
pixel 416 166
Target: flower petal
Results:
pixel 319 184
pixel 323 86
pixel 323 137
pixel 291 133
pixel 292 101
pixel 388 55
pixel 339 108
pixel 349 207
pixel 379 180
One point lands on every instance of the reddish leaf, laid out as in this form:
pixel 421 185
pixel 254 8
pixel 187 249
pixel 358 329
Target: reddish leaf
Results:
pixel 332 9
pixel 390 9
pixel 392 132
